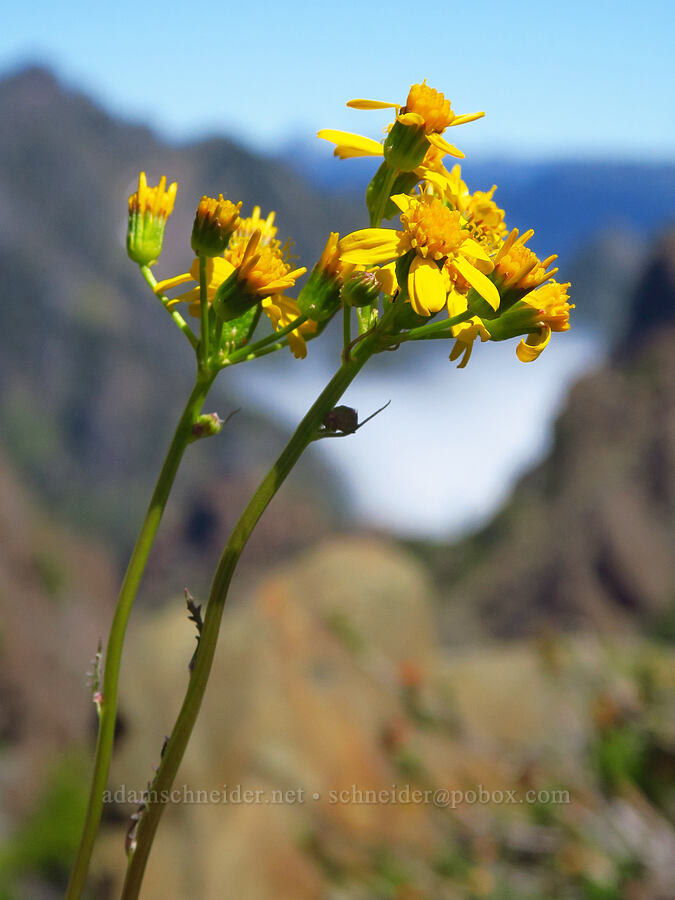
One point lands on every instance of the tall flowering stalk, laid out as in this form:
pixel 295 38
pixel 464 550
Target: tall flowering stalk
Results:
pixel 450 271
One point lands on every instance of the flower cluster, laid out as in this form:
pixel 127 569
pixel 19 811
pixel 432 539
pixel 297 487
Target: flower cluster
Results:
pixel 452 251
pixel 249 273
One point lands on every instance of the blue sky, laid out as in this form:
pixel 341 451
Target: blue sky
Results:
pixel 575 78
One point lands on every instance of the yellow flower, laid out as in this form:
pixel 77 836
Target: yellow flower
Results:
pixel 483 217
pixel 552 303
pixel 443 249
pixel 517 268
pixel 426 111
pixel 157 201
pixel 215 222
pixel 253 252
pixel 149 208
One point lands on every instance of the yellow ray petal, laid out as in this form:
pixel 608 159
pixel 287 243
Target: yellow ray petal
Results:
pixel 441 144
pixel 468 117
pixel 370 246
pixel 371 104
pixel 402 201
pixel 528 350
pixel 168 283
pixel 476 251
pixel 349 145
pixel 191 296
pixel 459 349
pixel 457 303
pixel 410 118
pixel 426 287
pixel 477 280
pixel 478 255
pixel 386 276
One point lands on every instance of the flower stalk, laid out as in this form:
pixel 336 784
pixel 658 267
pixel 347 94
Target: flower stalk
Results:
pixel 307 431
pixel 107 702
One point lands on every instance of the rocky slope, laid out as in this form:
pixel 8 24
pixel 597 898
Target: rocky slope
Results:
pixel 332 702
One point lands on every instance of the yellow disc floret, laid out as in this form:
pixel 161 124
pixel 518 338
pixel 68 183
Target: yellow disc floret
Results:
pixel 265 271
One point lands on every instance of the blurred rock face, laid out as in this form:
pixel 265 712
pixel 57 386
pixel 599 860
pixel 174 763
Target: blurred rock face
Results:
pixel 329 683
pixel 653 303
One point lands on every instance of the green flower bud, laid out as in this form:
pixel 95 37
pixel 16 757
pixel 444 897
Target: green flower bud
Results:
pixel 360 289
pixel 319 298
pixel 215 222
pixel 149 208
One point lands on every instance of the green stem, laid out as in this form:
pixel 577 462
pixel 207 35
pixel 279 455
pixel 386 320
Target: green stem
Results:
pixel 346 328
pixel 203 311
pixel 132 578
pixel 434 329
pixel 175 748
pixel 253 350
pixel 146 272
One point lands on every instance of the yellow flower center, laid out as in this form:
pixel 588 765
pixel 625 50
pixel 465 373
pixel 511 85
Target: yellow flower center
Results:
pixel 486 219
pixel 553 301
pixel 431 105
pixel 269 268
pixel 246 227
pixel 433 229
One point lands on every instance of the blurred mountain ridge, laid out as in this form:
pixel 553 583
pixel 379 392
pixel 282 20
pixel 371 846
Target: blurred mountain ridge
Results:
pixel 566 201
pixel 92 373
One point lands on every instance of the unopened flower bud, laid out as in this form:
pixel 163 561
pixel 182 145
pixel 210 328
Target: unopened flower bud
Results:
pixel 361 289
pixel 215 222
pixel 149 208
pixel 319 298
